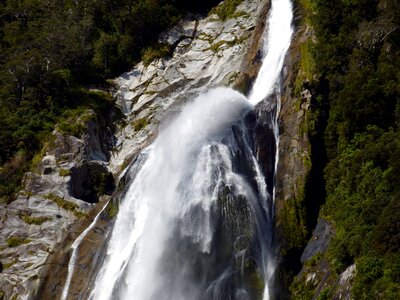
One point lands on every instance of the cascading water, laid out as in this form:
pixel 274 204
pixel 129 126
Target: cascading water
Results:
pixel 196 220
pixel 277 38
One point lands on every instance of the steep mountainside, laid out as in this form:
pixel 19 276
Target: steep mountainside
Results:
pixel 353 252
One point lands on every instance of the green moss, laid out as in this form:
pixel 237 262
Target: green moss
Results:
pixel 313 261
pixel 301 290
pixel 112 209
pixel 292 220
pixel 226 10
pixel 47 143
pixel 307 63
pixel 157 51
pixel 64 172
pixel 206 37
pixel 256 282
pixel 325 294
pixel 125 164
pixel 64 204
pixel 307 161
pixel 80 214
pixel 71 127
pixel 308 9
pixel 61 202
pixel 15 241
pixel 10 264
pixel 34 220
pixel 140 124
pixel 73 121
pixel 216 47
pixel 239 14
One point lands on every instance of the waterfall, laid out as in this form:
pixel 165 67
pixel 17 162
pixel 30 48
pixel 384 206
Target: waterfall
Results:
pixel 276 39
pixel 196 219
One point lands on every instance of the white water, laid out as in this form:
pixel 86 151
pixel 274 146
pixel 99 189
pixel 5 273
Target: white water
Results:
pixel 277 40
pixel 181 172
pixel 178 174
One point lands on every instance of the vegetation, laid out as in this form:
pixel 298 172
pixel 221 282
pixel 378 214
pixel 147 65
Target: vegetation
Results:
pixel 14 241
pixel 157 51
pixel 64 172
pixel 357 58
pixel 66 205
pixel 227 9
pixel 34 220
pixel 52 51
pixel 140 124
pixel 112 209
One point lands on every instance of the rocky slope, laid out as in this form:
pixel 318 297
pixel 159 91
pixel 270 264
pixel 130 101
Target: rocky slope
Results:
pixel 59 192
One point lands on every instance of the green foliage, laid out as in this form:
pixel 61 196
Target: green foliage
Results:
pixel 226 9
pixel 157 51
pixel 34 220
pixel 325 294
pixel 64 204
pixel 307 63
pixel 112 209
pixel 51 51
pixel 301 289
pixel 61 202
pixel 15 241
pixel 216 46
pixel 64 172
pixel 292 219
pixel 140 124
pixel 10 264
pixel 102 182
pixel 10 175
pixel 357 56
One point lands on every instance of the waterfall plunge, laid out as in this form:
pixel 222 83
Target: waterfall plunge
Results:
pixel 162 241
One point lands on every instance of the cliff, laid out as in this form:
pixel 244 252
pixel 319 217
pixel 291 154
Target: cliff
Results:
pixel 77 173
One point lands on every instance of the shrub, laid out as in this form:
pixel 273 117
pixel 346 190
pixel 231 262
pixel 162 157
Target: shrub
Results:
pixel 157 51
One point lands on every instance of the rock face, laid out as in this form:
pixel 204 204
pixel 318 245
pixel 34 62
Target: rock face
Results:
pixel 294 162
pixel 319 242
pixel 57 194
